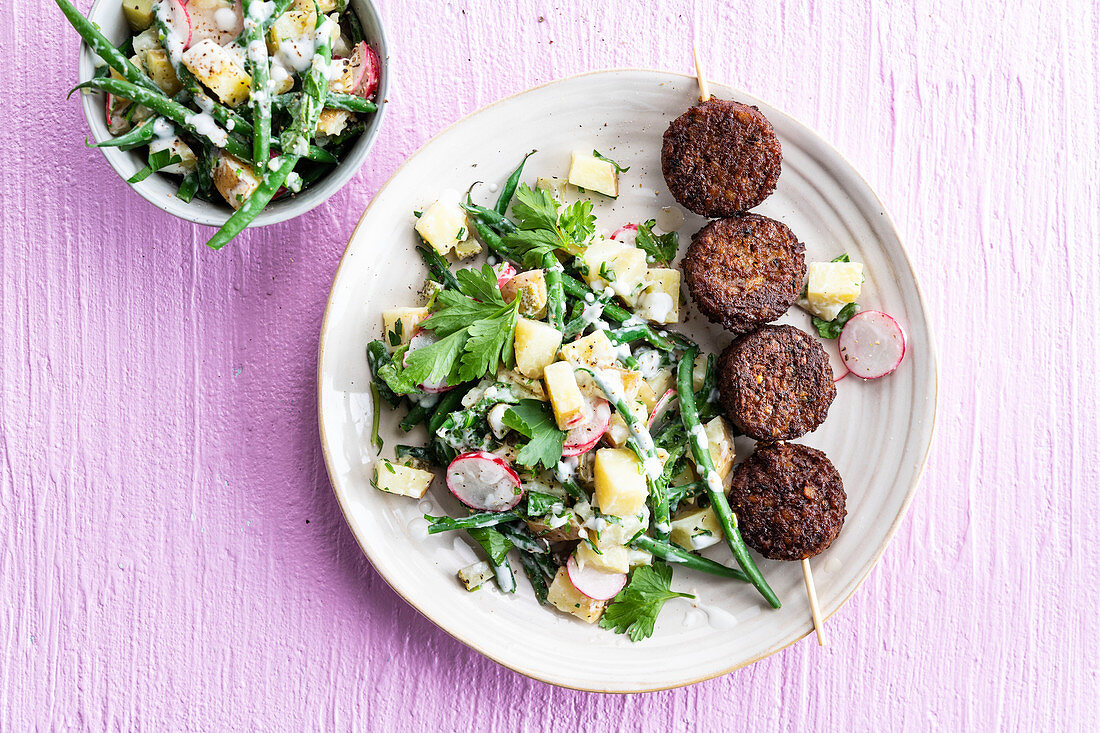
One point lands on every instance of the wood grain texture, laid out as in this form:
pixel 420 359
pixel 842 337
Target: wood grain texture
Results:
pixel 173 556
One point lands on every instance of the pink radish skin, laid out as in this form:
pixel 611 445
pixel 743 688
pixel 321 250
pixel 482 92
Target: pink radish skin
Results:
pixel 484 481
pixel 179 21
pixel 204 21
pixel 421 339
pixel 505 272
pixel 872 344
pixel 357 66
pixel 585 436
pixel 599 585
pixel 661 407
pixel 624 229
pixel 368 84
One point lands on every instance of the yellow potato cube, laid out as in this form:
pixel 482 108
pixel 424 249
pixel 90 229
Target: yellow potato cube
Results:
pixel 160 70
pixel 659 301
pixel 720 445
pixel 327 6
pixel 696 529
pixel 393 478
pixel 291 37
pixel 699 372
pixel 467 248
pixel 530 288
pixel 660 383
pixel 610 558
pixel 474 576
pixel 536 347
pixel 565 396
pixel 617 431
pixel 592 174
pixel 399 325
pixel 139 13
pixel 443 225
pixel 234 179
pixel 621 487
pixel 832 285
pixel 215 67
pixel 647 396
pixel 332 121
pixel 616 264
pixel 564 597
pixel 594 350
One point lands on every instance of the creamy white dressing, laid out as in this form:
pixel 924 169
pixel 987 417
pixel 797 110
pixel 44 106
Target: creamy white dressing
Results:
pixel 163 129
pixel 656 306
pixel 649 363
pixel 172 42
pixel 496 419
pixel 205 126
pixel 225 18
pixel 260 10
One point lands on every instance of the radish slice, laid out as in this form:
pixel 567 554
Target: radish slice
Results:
pixel 624 229
pixel 661 407
pixel 213 19
pixel 178 21
pixel 599 585
pixel 505 272
pixel 421 339
pixel 363 66
pixel 872 344
pixel 584 437
pixel 484 482
pixel 356 73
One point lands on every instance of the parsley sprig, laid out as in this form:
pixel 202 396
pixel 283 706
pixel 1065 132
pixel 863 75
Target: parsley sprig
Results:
pixel 475 331
pixel 533 420
pixel 661 247
pixel 634 610
pixel 545 226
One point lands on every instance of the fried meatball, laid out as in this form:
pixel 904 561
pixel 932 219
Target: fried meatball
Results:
pixel 720 157
pixel 775 383
pixel 744 271
pixel 789 501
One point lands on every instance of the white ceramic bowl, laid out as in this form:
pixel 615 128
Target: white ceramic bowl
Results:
pixel 161 190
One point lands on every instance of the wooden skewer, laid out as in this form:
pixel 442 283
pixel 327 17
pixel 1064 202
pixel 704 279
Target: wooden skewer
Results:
pixel 815 611
pixel 704 90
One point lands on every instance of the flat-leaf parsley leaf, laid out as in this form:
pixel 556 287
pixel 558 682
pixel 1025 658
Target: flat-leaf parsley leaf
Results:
pixel 634 610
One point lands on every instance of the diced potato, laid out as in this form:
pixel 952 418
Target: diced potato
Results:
pixel 160 70
pixel 476 575
pixel 592 174
pixel 214 66
pixel 631 383
pixel 659 301
pixel 179 148
pixel 621 487
pixel 720 444
pixel 617 431
pixel 647 395
pixel 536 346
pixel 291 37
pixel 443 225
pixel 832 285
pixel 393 478
pixel 327 6
pixel 467 248
pixel 696 529
pixel 553 186
pixel 332 121
pixel 144 42
pixel 615 263
pixel 399 325
pixel 565 397
pixel 220 21
pixel 526 387
pixel 699 372
pixel 660 383
pixel 610 558
pixel 530 288
pixel 139 14
pixel 234 179
pixel 594 350
pixel 564 597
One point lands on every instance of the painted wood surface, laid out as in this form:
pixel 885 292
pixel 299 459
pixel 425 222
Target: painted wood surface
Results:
pixel 172 556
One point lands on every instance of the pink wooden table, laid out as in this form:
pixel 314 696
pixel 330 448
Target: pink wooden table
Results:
pixel 173 557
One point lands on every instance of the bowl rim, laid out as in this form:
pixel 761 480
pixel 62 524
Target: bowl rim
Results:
pixel 212 214
pixel 895 524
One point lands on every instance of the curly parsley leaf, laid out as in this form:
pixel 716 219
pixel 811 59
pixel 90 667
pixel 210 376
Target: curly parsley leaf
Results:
pixel 634 610
pixel 831 329
pixel 600 156
pixel 495 544
pixel 661 247
pixel 534 421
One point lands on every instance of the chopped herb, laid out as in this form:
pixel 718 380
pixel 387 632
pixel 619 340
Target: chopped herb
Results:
pixel 376 414
pixel 618 168
pixel 418 214
pixel 533 420
pixel 661 247
pixel 634 610
pixel 540 504
pixel 831 329
pixel 157 161
pixel 842 258
pixel 606 272
pixel 494 543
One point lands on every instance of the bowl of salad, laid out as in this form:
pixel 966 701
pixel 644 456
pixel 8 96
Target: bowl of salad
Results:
pixel 232 113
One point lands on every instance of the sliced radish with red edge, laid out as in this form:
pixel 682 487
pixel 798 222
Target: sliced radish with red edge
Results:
pixel 505 272
pixel 623 230
pixel 484 481
pixel 872 344
pixel 419 340
pixel 178 21
pixel 661 407
pixel 599 585
pixel 365 65
pixel 585 436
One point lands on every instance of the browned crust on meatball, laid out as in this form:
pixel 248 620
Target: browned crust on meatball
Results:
pixel 721 157
pixel 789 501
pixel 775 383
pixel 744 271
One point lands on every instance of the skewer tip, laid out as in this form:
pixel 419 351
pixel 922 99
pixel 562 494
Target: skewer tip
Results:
pixel 815 610
pixel 700 75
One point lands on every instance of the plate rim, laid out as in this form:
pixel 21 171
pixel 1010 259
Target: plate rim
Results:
pixel 891 532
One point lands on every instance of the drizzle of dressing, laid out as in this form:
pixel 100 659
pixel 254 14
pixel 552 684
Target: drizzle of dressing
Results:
pixel 670 218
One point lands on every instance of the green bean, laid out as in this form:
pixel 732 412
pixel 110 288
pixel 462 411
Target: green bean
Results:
pixel 510 186
pixel 473 521
pixel 189 186
pixel 677 555
pixel 162 105
pixel 495 221
pixel 726 518
pixel 376 417
pixel 418 452
pixel 677 494
pixel 522 538
pixel 355 27
pixel 576 289
pixel 143 134
pixel 540 571
pixel 450 401
pixel 105 49
pixel 629 334
pixel 437 266
pixel 555 296
pixel 260 99
pixel 350 103
pixel 710 383
pixel 418 413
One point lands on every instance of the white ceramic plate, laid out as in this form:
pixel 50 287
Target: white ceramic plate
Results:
pixel 877 433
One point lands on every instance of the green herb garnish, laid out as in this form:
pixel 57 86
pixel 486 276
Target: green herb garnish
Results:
pixel 533 420
pixel 634 610
pixel 600 156
pixel 831 329
pixel 661 247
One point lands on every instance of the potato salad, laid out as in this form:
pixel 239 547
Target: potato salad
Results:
pixel 581 433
